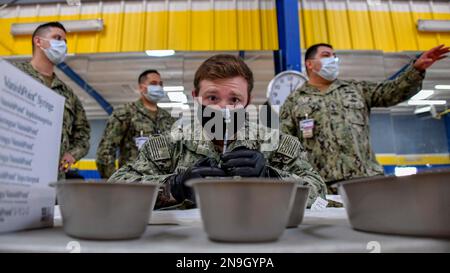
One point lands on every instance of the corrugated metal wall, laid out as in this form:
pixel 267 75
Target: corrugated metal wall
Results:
pixel 143 25
pixel 233 25
pixel 370 24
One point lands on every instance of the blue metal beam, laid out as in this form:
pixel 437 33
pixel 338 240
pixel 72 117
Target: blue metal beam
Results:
pixel 242 54
pixel 288 57
pixel 86 87
pixel 401 70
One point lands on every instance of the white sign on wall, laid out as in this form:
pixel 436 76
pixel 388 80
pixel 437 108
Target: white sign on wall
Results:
pixel 30 135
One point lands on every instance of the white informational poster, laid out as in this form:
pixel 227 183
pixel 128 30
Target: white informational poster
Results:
pixel 30 135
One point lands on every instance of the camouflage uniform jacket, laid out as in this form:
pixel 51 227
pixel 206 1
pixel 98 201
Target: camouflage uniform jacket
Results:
pixel 123 126
pixel 169 154
pixel 340 146
pixel 75 128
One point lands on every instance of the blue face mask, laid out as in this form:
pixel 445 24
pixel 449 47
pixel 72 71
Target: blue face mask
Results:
pixel 330 68
pixel 155 93
pixel 57 51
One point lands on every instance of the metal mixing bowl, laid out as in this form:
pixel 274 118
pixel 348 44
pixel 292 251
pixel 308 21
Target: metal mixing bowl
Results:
pixel 409 205
pixel 299 206
pixel 244 210
pixel 105 211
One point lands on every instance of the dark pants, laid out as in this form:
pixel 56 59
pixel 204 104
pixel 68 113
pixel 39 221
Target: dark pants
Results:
pixel 73 174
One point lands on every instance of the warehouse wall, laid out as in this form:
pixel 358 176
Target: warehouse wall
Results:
pixel 232 25
pixel 407 134
pixel 414 135
pixel 406 139
pixel 400 139
pixel 144 25
pixel 367 24
pixel 97 128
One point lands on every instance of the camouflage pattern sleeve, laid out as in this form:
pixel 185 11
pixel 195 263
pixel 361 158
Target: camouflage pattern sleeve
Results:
pixel 153 164
pixel 112 136
pixel 392 92
pixel 80 134
pixel 287 123
pixel 290 162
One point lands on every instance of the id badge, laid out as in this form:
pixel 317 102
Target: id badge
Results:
pixel 307 127
pixel 140 141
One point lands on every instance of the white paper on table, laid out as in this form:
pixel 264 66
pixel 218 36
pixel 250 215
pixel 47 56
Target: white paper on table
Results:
pixel 335 198
pixel 31 118
pixel 327 213
pixel 57 218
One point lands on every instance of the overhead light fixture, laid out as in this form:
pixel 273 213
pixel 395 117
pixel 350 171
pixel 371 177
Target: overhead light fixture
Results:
pixel 442 87
pixel 173 88
pixel 433 25
pixel 173 105
pixel 423 94
pixel 177 97
pixel 427 102
pixel 90 25
pixel 160 53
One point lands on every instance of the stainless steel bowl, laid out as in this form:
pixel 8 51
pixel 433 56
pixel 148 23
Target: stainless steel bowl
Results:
pixel 410 205
pixel 244 210
pixel 105 211
pixel 299 206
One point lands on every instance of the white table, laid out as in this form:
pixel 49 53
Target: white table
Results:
pixel 181 231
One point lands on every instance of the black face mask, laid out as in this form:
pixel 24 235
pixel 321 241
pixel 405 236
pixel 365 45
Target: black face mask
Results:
pixel 214 122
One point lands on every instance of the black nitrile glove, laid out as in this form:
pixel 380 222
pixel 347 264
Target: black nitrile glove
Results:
pixel 203 168
pixel 245 163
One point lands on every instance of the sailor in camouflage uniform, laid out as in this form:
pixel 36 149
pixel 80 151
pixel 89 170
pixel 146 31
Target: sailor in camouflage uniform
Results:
pixel 129 127
pixel 49 49
pixel 330 117
pixel 173 158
